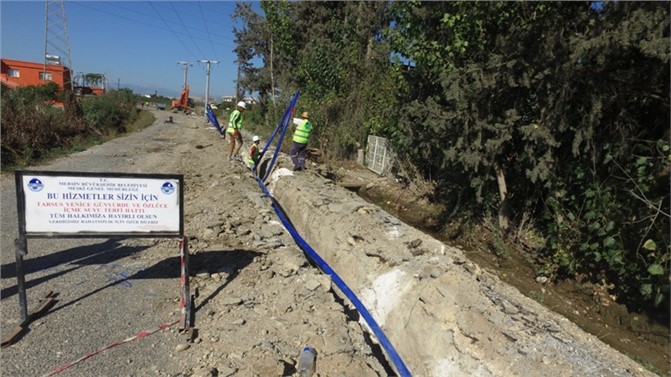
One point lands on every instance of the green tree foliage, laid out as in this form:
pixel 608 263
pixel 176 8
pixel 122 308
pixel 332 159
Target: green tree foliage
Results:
pixel 569 104
pixel 94 79
pixel 554 110
pixel 279 54
pixel 111 111
pixel 26 122
pixel 333 53
pixel 251 42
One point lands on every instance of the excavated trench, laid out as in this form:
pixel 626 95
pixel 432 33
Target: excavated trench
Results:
pixel 442 313
pixel 378 352
pixel 643 337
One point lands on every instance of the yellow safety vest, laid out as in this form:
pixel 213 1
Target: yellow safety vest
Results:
pixel 235 122
pixel 253 154
pixel 302 133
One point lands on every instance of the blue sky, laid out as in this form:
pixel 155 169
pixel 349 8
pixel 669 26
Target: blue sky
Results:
pixel 136 44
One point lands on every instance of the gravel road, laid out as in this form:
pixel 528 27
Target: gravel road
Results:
pixel 96 305
pixel 259 300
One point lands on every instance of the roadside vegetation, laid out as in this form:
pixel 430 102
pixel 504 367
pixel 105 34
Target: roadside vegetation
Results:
pixel 35 128
pixel 546 123
pixel 541 127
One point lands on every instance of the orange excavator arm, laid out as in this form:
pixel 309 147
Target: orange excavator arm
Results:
pixel 183 102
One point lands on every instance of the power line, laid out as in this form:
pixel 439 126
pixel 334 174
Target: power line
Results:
pixel 208 31
pixel 226 41
pixel 173 32
pixel 205 16
pixel 186 28
pixel 117 4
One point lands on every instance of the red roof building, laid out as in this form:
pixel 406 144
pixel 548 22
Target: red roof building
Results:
pixel 16 73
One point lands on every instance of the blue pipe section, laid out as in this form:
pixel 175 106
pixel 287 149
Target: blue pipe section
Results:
pixel 286 119
pixel 384 342
pixel 288 111
pixel 321 263
pixel 213 119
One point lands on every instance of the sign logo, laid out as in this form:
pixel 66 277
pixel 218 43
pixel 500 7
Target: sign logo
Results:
pixel 168 188
pixel 35 185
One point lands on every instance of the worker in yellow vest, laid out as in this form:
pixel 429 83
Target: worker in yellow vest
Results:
pixel 299 148
pixel 233 131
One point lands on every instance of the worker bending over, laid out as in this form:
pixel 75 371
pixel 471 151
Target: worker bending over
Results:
pixel 254 154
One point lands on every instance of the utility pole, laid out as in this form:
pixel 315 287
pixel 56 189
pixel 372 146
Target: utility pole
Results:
pixel 207 82
pixel 186 69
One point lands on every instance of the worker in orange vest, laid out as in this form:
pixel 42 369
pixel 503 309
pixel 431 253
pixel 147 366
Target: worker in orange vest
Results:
pixel 254 153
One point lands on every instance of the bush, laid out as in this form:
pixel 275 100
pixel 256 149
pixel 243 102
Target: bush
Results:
pixel 32 128
pixel 110 111
pixel 26 123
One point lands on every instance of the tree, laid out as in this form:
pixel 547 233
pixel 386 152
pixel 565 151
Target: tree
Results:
pixel 559 109
pixel 250 42
pixel 333 53
pixel 279 22
pixel 94 79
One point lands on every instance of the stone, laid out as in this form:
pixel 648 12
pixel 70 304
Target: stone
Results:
pixel 232 301
pixel 182 347
pixel 203 275
pixel 204 372
pixel 312 284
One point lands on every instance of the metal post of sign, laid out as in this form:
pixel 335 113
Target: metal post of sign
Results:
pixel 21 250
pixel 186 295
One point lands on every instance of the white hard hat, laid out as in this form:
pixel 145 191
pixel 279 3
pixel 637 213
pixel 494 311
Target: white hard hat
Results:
pixel 242 104
pixel 255 138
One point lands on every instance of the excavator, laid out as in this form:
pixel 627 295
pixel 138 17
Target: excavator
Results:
pixel 183 103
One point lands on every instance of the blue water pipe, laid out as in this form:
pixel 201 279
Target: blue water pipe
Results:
pixel 321 263
pixel 213 119
pixel 284 124
pixel 287 112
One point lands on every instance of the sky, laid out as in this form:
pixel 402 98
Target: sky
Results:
pixel 136 44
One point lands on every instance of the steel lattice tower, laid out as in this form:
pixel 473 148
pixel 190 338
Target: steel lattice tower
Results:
pixel 56 42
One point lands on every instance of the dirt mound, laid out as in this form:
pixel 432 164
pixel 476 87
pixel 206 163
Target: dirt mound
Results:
pixel 443 313
pixel 589 305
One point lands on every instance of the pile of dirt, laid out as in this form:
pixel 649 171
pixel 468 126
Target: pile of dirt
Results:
pixel 444 314
pixel 587 304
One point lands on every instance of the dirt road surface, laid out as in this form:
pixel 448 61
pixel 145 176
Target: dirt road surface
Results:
pixel 260 300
